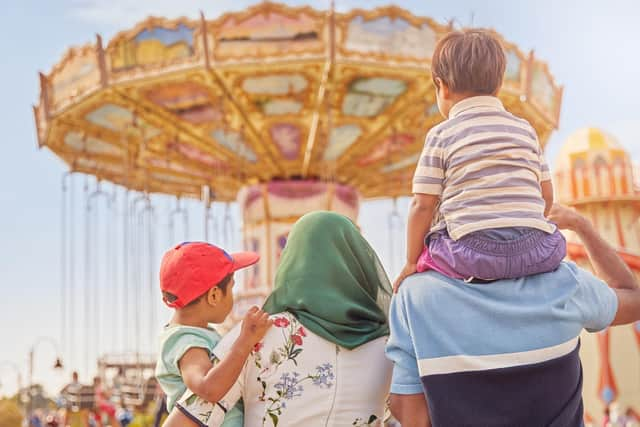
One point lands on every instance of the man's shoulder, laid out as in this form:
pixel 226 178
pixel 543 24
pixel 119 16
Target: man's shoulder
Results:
pixel 436 290
pixel 563 295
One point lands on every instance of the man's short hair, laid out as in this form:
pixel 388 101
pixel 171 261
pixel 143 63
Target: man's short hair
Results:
pixel 224 283
pixel 469 61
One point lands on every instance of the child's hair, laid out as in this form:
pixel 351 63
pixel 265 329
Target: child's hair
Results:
pixel 224 283
pixel 469 61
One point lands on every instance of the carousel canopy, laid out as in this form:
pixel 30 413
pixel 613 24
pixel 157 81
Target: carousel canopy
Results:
pixel 272 92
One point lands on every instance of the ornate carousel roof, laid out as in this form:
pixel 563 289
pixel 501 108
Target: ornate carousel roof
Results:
pixel 272 92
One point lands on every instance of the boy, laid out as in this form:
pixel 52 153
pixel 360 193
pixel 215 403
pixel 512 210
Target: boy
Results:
pixel 197 280
pixel 483 173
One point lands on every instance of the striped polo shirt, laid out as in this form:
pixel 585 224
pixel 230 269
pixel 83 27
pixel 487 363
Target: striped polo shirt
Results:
pixel 486 165
pixel 499 354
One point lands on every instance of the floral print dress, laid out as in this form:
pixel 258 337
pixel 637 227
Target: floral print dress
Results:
pixel 296 378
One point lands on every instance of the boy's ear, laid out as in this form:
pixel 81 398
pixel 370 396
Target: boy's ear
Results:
pixel 446 92
pixel 213 296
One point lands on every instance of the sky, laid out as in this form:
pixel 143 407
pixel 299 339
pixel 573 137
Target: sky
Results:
pixel 591 47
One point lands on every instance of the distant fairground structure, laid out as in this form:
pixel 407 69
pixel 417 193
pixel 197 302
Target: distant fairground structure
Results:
pixel 595 174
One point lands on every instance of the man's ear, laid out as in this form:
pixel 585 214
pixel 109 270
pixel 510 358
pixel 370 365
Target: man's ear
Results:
pixel 213 296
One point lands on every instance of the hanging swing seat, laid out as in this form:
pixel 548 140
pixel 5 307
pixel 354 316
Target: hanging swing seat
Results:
pixel 80 397
pixel 138 392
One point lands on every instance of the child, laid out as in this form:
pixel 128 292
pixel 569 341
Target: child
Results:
pixel 196 280
pixel 482 171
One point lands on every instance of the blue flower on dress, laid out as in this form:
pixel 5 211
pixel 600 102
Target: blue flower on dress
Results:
pixel 289 386
pixel 324 375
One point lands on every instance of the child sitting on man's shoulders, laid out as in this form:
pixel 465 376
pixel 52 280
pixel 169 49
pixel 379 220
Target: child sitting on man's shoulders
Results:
pixel 481 188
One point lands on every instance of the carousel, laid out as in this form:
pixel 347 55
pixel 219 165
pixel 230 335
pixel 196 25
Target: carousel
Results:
pixel 258 116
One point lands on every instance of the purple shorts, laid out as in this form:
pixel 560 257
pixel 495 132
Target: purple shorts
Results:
pixel 505 253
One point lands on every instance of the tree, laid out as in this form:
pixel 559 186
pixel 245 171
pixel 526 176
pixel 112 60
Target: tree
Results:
pixel 10 415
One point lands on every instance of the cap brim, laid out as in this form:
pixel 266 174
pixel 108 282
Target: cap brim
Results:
pixel 244 259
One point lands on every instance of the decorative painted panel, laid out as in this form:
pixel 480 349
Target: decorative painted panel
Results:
pixel 154 45
pixel 78 73
pixel 388 146
pixel 288 139
pixel 401 164
pixel 119 119
pixel 76 141
pixel 542 87
pixel 190 101
pixel 390 37
pixel 234 142
pixel 341 138
pixel 267 33
pixel 368 97
pixel 277 94
pixel 197 155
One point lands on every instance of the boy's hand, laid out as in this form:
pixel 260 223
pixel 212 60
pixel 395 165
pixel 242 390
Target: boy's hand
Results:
pixel 407 271
pixel 255 325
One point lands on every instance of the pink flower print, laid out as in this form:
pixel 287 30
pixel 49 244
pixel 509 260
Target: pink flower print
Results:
pixel 281 322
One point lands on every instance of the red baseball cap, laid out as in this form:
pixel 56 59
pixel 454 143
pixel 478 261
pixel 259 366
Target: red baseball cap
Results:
pixel 192 268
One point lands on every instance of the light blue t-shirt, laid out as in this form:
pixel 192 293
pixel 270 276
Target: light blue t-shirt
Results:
pixel 175 340
pixel 496 342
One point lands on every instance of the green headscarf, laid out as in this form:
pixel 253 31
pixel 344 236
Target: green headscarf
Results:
pixel 332 281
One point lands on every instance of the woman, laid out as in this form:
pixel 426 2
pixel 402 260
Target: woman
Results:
pixel 323 362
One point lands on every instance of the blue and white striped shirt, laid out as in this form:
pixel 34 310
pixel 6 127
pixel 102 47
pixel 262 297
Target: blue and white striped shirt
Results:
pixel 497 354
pixel 486 165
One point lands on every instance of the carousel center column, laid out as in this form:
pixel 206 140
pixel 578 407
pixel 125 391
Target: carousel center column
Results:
pixel 269 210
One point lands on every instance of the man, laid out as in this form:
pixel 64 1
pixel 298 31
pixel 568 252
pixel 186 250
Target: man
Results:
pixel 505 353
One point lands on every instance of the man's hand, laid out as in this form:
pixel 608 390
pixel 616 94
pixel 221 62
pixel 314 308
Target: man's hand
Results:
pixel 255 325
pixel 410 409
pixel 566 218
pixel 606 262
pixel 407 271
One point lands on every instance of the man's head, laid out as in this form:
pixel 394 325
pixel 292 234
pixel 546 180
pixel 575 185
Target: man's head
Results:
pixel 74 376
pixel 464 64
pixel 198 277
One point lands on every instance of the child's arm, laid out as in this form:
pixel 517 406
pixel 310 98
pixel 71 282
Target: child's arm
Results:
pixel 547 195
pixel 213 382
pixel 421 213
pixel 545 184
